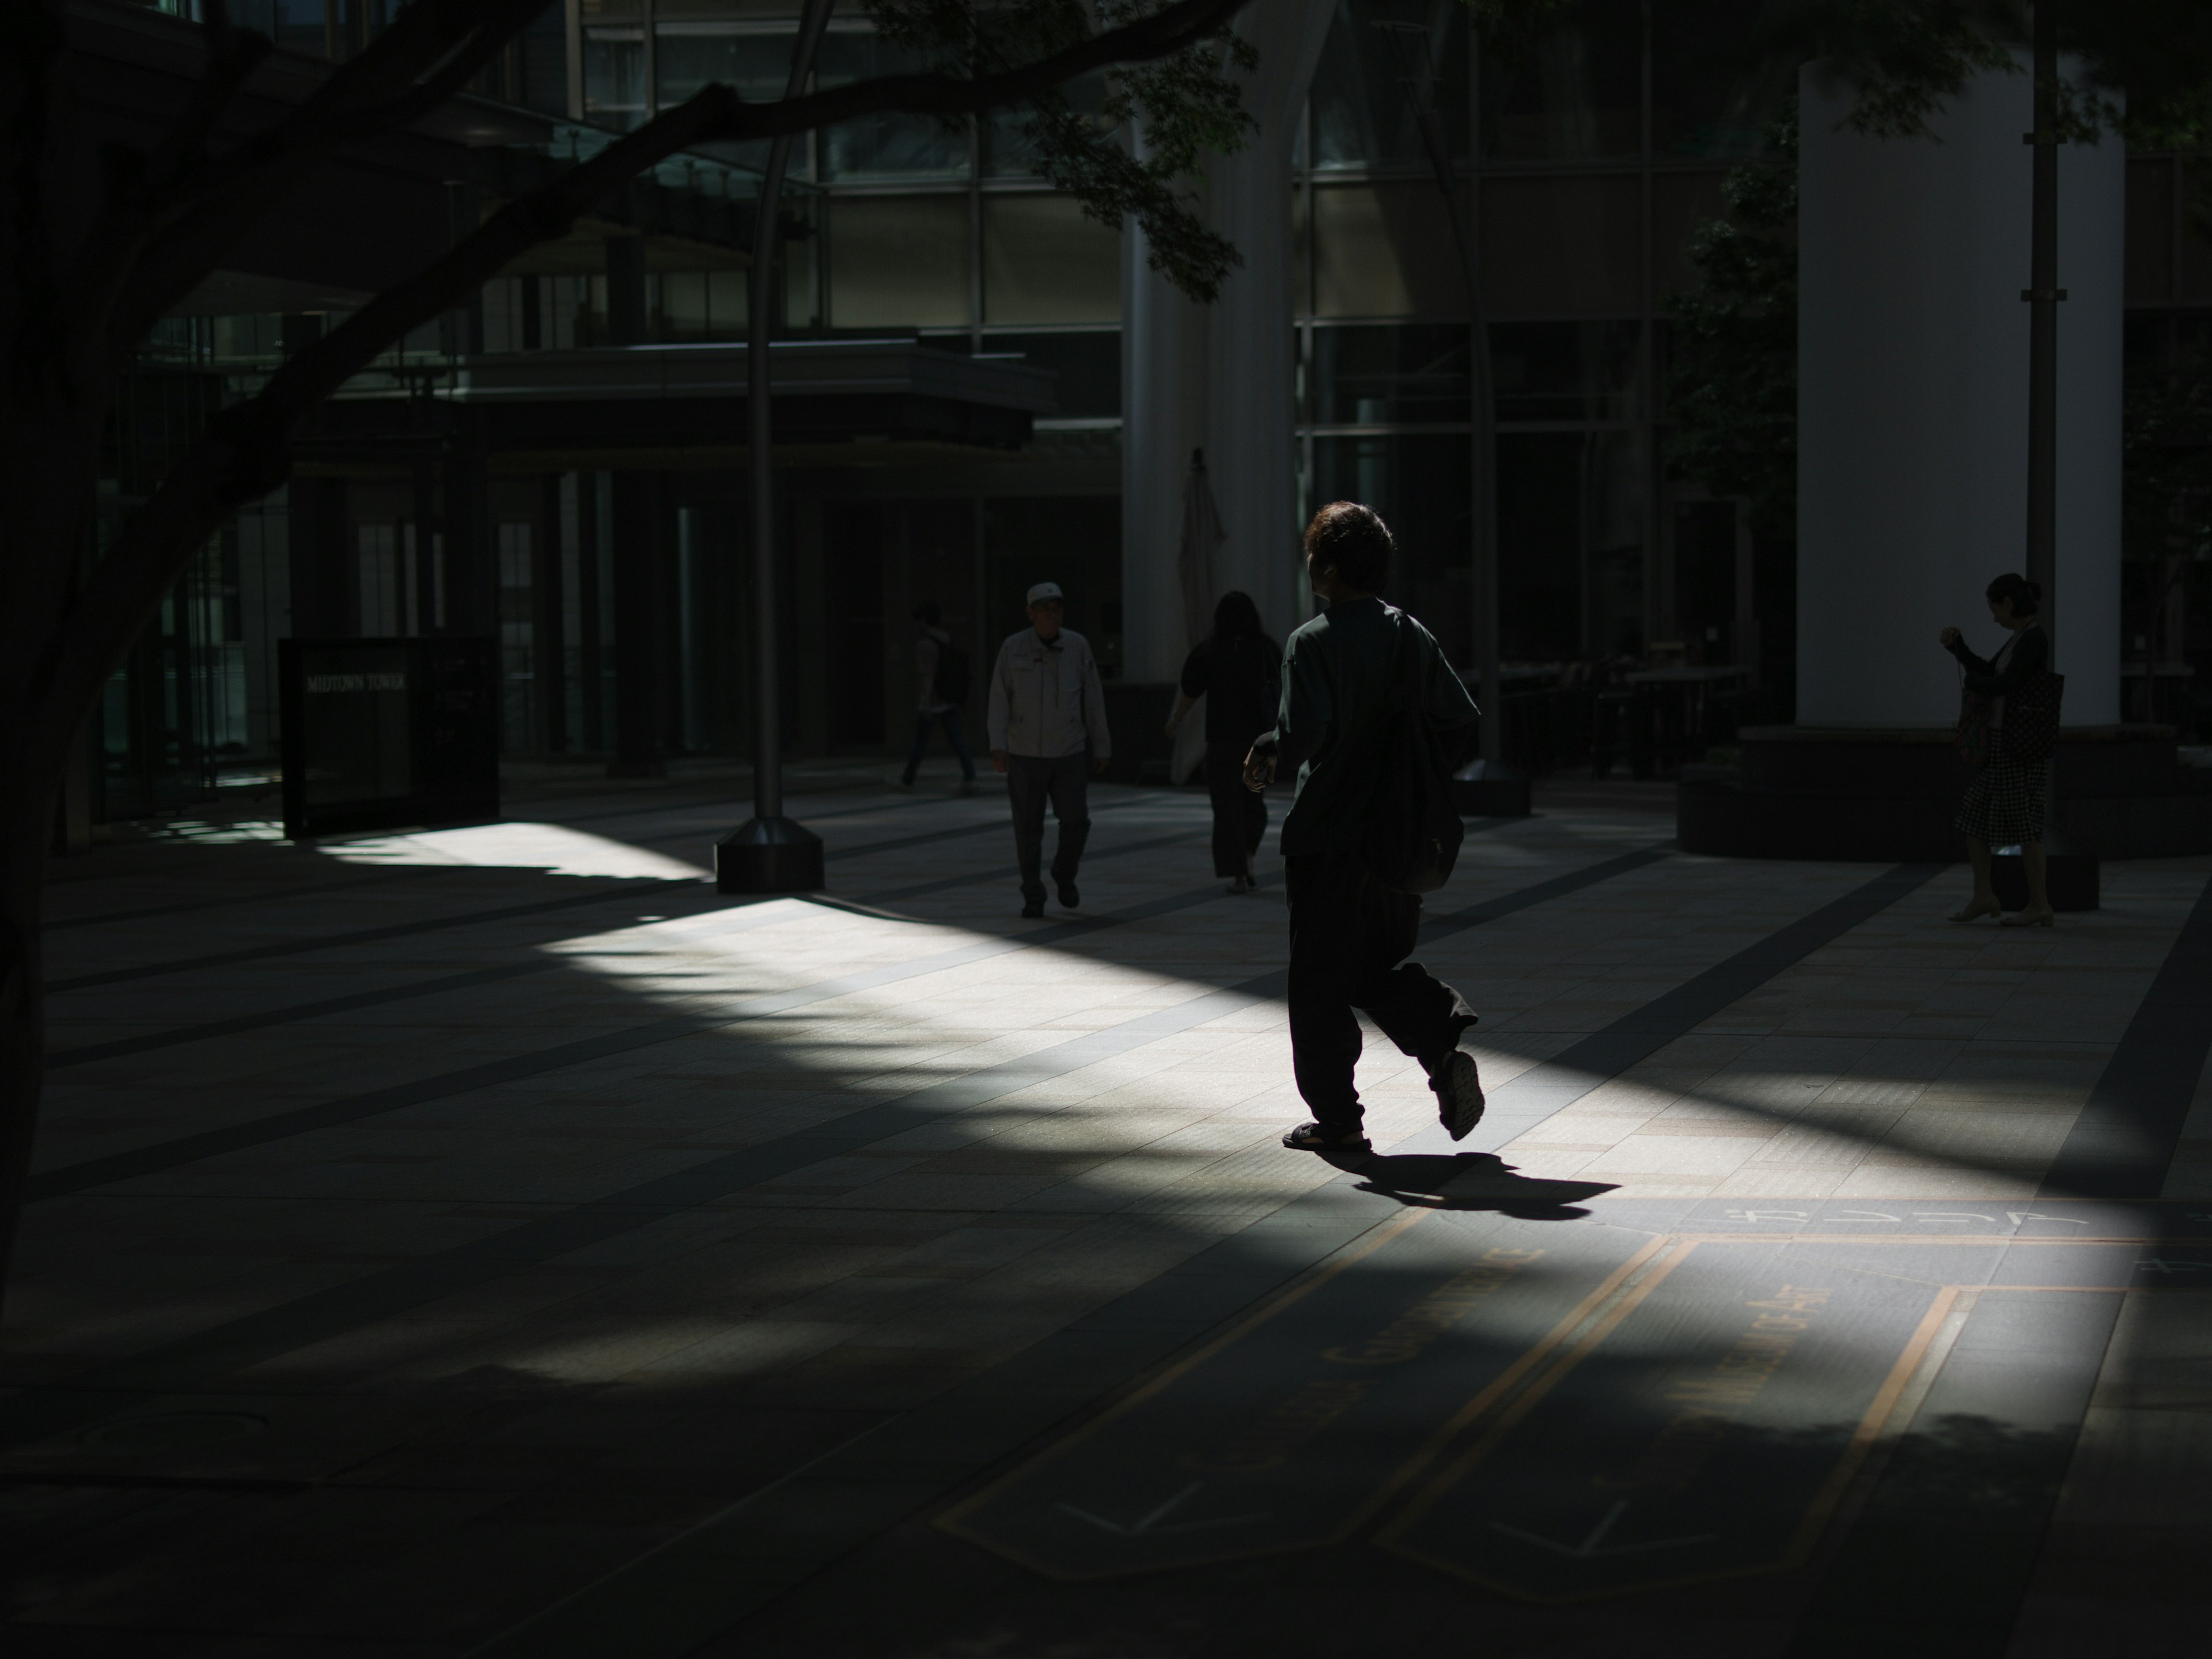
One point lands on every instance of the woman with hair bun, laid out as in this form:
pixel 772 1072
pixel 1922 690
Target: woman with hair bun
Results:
pixel 2003 804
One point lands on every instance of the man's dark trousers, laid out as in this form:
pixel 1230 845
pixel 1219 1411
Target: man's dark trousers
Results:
pixel 1349 936
pixel 1031 779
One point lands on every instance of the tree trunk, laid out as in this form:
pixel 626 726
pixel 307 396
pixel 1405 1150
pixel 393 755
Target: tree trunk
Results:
pixel 25 832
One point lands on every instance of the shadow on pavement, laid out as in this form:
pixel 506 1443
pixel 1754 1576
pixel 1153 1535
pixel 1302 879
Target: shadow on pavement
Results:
pixel 1472 1181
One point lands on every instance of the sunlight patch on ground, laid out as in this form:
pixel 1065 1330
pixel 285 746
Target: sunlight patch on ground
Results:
pixel 555 848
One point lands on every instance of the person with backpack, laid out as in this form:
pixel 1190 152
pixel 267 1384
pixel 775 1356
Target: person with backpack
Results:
pixel 1046 714
pixel 1369 710
pixel 941 670
pixel 1237 668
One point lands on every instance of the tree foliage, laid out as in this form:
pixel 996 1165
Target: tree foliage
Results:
pixel 1732 367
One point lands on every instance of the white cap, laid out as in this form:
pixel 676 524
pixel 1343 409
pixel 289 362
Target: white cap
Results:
pixel 1045 591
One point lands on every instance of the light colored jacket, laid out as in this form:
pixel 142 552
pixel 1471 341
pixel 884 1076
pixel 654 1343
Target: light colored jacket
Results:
pixel 1046 700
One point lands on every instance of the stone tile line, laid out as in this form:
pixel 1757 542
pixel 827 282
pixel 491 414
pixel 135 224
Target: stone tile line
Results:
pixel 627 890
pixel 924 839
pixel 1092 855
pixel 461 981
pixel 221 1350
pixel 1525 1103
pixel 299 1011
pixel 2123 1144
pixel 996 1414
pixel 231 901
pixel 304 1119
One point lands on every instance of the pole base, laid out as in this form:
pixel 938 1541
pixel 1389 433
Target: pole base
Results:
pixel 1490 789
pixel 768 856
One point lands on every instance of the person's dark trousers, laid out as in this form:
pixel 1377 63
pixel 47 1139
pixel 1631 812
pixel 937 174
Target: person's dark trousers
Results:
pixel 1349 935
pixel 1031 779
pixel 951 718
pixel 1240 814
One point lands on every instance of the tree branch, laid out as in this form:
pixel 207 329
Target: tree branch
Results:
pixel 150 246
pixel 245 452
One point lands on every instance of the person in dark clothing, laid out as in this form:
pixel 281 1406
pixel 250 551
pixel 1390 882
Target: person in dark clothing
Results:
pixel 2003 804
pixel 932 650
pixel 1349 933
pixel 1237 669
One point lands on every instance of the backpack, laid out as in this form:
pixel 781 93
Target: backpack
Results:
pixel 1413 832
pixel 950 683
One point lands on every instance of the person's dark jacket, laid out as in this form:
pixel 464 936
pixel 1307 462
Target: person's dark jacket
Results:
pixel 2031 655
pixel 1339 671
pixel 1238 675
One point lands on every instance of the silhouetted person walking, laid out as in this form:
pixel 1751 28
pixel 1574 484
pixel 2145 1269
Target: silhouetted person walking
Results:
pixel 1047 717
pixel 1237 669
pixel 940 670
pixel 1350 934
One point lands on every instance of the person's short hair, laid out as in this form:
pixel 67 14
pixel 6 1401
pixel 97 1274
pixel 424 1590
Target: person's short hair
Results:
pixel 926 611
pixel 2025 597
pixel 1352 541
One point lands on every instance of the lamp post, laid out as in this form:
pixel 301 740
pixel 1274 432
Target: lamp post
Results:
pixel 769 853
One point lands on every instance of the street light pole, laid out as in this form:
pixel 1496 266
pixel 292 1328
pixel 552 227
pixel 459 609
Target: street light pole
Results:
pixel 769 853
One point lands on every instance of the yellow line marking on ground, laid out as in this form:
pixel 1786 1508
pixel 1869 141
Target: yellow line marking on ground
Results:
pixel 1869 1431
pixel 1676 1251
pixel 1504 1382
pixel 951 1520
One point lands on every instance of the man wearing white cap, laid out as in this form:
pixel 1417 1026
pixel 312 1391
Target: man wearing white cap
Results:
pixel 1047 719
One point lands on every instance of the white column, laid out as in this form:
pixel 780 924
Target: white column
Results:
pixel 1912 403
pixel 1220 377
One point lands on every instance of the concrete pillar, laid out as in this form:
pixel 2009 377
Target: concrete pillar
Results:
pixel 1912 403
pixel 1220 377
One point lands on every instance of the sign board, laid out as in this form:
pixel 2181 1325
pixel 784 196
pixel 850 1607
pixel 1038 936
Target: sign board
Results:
pixel 386 733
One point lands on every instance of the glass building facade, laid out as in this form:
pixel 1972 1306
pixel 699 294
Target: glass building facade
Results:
pixel 1592 156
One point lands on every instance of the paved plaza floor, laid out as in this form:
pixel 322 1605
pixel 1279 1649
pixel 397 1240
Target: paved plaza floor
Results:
pixel 495 1242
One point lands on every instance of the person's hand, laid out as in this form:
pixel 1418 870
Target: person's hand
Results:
pixel 1948 638
pixel 998 760
pixel 1173 722
pixel 1259 771
pixel 1098 766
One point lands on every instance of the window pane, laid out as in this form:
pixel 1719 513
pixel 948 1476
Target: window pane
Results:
pixel 1564 371
pixel 1046 261
pixel 1576 91
pixel 689 57
pixel 1008 152
pixel 1369 376
pixel 1709 95
pixel 884 146
pixel 614 78
pixel 1569 543
pixel 1362 115
pixel 1562 247
pixel 1419 483
pixel 1378 252
pixel 1089 367
pixel 1682 203
pixel 899 262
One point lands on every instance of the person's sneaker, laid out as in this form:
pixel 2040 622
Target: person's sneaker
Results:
pixel 1033 910
pixel 967 786
pixel 900 783
pixel 1459 1094
pixel 1069 898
